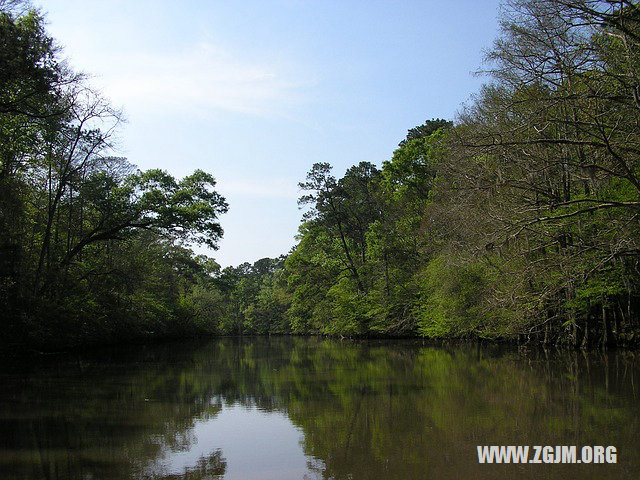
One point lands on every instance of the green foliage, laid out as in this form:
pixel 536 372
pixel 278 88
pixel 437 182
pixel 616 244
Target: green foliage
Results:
pixel 601 288
pixel 29 69
pixel 518 222
pixel 352 272
pixel 425 130
pixel 91 251
pixel 450 298
pixel 268 312
pixel 188 208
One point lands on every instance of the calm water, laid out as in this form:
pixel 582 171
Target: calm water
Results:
pixel 293 408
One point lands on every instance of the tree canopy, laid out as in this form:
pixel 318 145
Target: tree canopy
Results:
pixel 91 247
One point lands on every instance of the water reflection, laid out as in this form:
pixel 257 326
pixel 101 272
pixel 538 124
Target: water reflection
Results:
pixel 256 444
pixel 210 467
pixel 296 407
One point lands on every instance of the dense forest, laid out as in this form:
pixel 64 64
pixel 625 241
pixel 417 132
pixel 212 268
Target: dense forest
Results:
pixel 518 220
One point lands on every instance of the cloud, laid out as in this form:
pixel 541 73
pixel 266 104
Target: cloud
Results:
pixel 201 79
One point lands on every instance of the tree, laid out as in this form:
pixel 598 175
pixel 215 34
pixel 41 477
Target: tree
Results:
pixel 345 208
pixel 426 129
pixel 75 218
pixel 552 147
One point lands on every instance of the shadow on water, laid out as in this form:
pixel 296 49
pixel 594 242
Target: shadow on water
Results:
pixel 314 408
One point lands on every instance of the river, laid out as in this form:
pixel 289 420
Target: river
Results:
pixel 306 408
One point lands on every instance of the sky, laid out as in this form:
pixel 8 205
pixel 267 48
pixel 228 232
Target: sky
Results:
pixel 256 92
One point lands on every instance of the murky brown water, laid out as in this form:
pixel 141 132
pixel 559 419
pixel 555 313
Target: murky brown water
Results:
pixel 293 408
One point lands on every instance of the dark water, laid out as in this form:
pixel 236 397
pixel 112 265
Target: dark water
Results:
pixel 293 408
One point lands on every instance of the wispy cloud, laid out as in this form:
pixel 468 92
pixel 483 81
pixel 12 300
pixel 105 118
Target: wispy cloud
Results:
pixel 201 79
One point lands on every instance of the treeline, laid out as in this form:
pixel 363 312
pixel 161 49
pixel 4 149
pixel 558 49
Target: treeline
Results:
pixel 91 249
pixel 521 221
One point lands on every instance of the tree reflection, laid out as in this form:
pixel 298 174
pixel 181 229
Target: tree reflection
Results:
pixel 366 409
pixel 207 468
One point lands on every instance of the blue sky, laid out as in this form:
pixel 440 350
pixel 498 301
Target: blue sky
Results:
pixel 255 92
